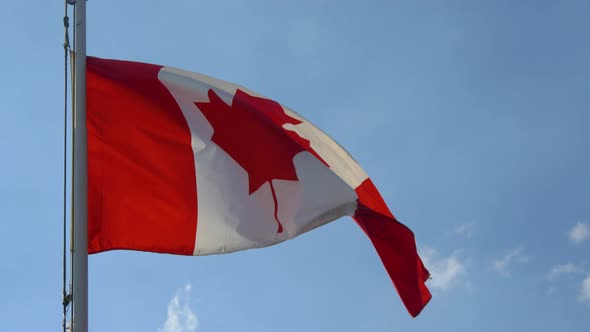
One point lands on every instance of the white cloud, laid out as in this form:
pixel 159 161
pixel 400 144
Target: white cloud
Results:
pixel 563 269
pixel 444 272
pixel 579 233
pixel 584 295
pixel 181 317
pixel 465 230
pixel 513 256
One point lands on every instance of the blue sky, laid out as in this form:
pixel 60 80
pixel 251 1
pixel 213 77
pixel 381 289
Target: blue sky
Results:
pixel 471 117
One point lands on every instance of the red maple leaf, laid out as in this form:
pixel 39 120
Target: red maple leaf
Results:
pixel 251 132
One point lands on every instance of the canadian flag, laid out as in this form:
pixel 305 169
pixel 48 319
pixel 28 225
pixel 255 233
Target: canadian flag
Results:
pixel 183 163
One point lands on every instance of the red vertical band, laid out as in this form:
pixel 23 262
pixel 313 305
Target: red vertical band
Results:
pixel 396 247
pixel 141 173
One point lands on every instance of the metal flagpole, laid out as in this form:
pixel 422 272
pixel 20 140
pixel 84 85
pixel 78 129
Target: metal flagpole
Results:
pixel 80 243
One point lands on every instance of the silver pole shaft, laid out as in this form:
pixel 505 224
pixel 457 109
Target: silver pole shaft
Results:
pixel 80 266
